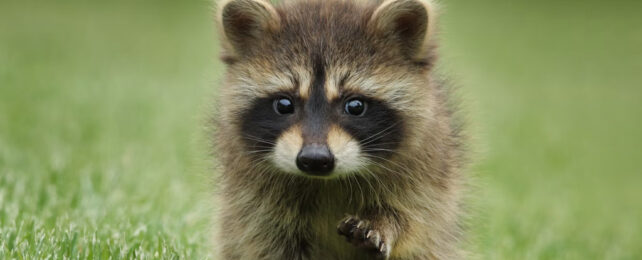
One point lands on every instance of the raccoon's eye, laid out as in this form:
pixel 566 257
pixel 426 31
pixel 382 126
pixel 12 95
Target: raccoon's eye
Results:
pixel 283 106
pixel 355 107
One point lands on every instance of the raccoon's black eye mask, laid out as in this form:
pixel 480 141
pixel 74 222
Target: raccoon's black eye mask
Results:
pixel 372 122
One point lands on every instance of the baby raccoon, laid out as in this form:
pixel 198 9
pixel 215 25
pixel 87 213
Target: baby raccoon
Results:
pixel 332 127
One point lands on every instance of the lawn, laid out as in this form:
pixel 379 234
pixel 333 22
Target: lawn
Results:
pixel 103 127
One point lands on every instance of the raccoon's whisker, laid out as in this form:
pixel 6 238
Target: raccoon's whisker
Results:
pixel 378 180
pixel 363 199
pixel 378 150
pixel 378 138
pixel 413 159
pixel 346 180
pixel 258 139
pixel 259 151
pixel 349 181
pixel 403 167
pixel 386 168
pixel 385 145
pixel 381 144
pixel 262 142
pixel 261 147
pixel 258 162
pixel 374 162
pixel 353 190
pixel 383 133
pixel 372 189
pixel 387 150
pixel 258 167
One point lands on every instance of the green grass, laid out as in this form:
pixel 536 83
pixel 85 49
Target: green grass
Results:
pixel 101 111
pixel 103 151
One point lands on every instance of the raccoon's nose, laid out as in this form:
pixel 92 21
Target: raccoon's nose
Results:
pixel 315 159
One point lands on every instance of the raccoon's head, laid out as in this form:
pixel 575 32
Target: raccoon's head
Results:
pixel 325 88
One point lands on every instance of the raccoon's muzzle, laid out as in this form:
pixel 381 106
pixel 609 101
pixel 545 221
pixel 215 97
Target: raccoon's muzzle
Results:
pixel 315 159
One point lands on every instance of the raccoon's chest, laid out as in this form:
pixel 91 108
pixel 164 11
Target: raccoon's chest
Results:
pixel 324 240
pixel 298 224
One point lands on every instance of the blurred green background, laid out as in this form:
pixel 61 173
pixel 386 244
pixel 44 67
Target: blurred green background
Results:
pixel 104 149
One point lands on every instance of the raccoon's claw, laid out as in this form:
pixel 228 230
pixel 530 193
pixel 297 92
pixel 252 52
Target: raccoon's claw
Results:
pixel 360 234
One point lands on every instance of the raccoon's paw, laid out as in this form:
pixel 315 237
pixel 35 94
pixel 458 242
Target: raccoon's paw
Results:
pixel 362 235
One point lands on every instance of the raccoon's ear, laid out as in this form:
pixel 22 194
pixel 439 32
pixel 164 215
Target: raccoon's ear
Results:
pixel 243 23
pixel 407 22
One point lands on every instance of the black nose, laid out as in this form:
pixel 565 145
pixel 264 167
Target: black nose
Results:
pixel 315 159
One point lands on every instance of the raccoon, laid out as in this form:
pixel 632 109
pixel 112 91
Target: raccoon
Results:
pixel 334 136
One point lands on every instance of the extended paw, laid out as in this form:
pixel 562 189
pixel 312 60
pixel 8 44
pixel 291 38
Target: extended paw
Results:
pixel 362 235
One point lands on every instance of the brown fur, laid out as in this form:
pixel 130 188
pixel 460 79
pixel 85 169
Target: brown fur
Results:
pixel 410 199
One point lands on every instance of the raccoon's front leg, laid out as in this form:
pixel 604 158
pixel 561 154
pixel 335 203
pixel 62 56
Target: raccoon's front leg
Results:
pixel 373 236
